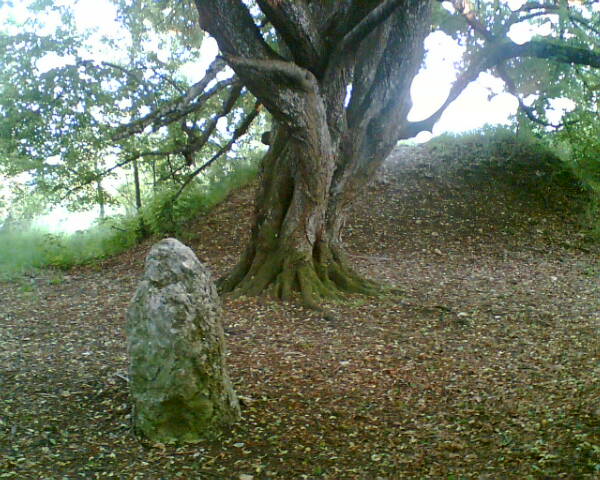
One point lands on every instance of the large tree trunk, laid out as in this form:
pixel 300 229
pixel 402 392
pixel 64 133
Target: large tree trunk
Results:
pixel 325 150
pixel 291 248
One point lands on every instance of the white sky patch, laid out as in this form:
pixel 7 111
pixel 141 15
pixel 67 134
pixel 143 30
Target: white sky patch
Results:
pixel 430 87
pixel 160 47
pixel 558 107
pixel 515 4
pixel 482 102
pixel 194 71
pixel 53 160
pixel 222 125
pixel 98 15
pixel 52 60
pixel 61 220
pixel 523 32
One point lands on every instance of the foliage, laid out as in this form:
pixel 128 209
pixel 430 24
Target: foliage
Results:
pixel 19 201
pixel 65 91
pixel 560 167
pixel 499 147
pixel 80 107
pixel 579 145
pixel 165 216
pixel 514 160
pixel 25 247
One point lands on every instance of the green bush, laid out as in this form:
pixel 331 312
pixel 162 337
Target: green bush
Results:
pixel 578 145
pixel 163 216
pixel 20 250
pixel 24 247
pixel 28 248
pixel 520 159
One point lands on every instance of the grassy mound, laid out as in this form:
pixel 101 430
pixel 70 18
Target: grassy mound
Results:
pixel 521 164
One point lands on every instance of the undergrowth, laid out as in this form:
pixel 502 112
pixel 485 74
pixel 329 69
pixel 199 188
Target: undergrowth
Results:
pixel 163 216
pixel 578 146
pixel 556 169
pixel 26 248
pixel 526 165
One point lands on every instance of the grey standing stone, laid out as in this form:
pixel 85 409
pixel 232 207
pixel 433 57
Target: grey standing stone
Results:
pixel 179 382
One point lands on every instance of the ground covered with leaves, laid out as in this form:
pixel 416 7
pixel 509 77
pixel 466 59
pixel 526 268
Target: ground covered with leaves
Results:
pixel 486 367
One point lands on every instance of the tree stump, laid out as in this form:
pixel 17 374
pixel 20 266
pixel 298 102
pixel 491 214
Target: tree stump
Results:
pixel 178 379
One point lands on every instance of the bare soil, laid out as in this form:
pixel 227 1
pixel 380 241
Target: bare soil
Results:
pixel 486 367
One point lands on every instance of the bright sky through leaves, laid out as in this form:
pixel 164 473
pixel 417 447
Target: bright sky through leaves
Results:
pixel 472 110
pixel 483 102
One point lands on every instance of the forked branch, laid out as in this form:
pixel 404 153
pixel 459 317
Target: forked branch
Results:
pixel 294 22
pixel 232 26
pixel 197 141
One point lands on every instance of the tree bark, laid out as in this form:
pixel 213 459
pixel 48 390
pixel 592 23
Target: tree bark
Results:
pixel 289 249
pixel 323 151
pixel 101 200
pixel 142 229
pixel 326 147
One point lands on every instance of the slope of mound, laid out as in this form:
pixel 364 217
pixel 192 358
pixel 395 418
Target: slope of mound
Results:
pixel 459 190
pixel 485 368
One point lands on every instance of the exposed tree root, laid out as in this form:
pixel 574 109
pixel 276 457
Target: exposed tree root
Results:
pixel 282 274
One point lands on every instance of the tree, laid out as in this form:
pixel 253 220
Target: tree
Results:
pixel 335 77
pixel 64 93
pixel 326 147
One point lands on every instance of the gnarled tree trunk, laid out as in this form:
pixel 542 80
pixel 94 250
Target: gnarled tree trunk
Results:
pixel 292 247
pixel 326 147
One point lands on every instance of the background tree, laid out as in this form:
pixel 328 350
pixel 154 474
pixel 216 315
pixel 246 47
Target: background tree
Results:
pixel 335 78
pixel 65 92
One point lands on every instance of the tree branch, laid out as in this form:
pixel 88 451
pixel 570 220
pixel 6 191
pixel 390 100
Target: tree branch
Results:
pixel 179 107
pixel 375 17
pixel 527 110
pixel 131 73
pixel 295 23
pixel 495 55
pixel 196 142
pixel 237 134
pixel 382 77
pixel 109 170
pixel 548 50
pixel 370 55
pixel 280 85
pixel 583 23
pixel 534 9
pixel 276 71
pixel 231 24
pixel 193 146
pixel 172 112
pixel 465 8
pixel 352 39
pixel 531 10
pixel 217 66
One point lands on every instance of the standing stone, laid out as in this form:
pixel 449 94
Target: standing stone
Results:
pixel 179 383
